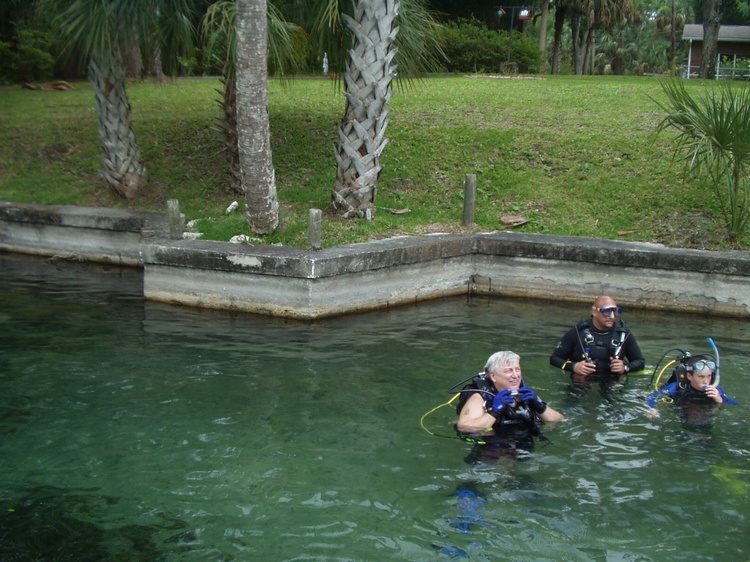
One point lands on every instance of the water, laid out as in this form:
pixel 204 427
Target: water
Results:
pixel 138 431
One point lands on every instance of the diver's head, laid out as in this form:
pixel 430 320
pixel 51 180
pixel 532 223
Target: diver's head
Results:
pixel 604 312
pixel 504 370
pixel 701 373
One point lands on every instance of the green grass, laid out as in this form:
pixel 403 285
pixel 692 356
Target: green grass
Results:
pixel 573 155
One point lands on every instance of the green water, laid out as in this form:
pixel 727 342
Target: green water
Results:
pixel 138 431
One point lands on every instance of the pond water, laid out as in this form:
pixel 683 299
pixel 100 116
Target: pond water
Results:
pixel 138 431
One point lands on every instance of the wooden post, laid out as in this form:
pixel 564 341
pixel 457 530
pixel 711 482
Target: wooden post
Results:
pixel 314 228
pixel 175 219
pixel 470 197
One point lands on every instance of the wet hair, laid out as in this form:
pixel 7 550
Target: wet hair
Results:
pixel 501 358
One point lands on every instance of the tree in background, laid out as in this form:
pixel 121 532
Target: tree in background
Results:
pixel 562 9
pixel 603 15
pixel 101 31
pixel 287 48
pixel 368 88
pixel 709 50
pixel 367 50
pixel 254 138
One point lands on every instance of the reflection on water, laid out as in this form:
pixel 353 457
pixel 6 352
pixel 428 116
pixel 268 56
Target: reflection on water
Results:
pixel 139 431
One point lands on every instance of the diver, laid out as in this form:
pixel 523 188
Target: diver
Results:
pixel 498 409
pixel 501 417
pixel 601 346
pixel 693 387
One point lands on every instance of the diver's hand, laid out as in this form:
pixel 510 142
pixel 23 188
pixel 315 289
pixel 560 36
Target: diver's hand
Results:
pixel 529 397
pixel 617 366
pixel 584 368
pixel 653 414
pixel 503 400
pixel 713 393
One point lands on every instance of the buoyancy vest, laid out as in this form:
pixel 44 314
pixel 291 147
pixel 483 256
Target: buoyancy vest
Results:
pixel 600 347
pixel 512 421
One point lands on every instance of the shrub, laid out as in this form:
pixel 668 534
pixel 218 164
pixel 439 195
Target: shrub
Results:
pixel 713 139
pixel 33 59
pixel 8 73
pixel 471 47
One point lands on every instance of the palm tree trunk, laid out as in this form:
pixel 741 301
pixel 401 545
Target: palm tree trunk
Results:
pixel 543 37
pixel 228 126
pixel 711 24
pixel 577 32
pixel 561 13
pixel 368 80
pixel 253 125
pixel 123 167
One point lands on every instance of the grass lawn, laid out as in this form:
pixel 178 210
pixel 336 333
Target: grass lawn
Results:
pixel 570 155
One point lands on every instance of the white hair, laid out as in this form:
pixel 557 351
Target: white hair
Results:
pixel 499 359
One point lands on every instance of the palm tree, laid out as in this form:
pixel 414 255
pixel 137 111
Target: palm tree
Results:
pixel 102 30
pixel 254 138
pixel 370 69
pixel 368 88
pixel 563 9
pixel 220 30
pixel 713 137
pixel 606 15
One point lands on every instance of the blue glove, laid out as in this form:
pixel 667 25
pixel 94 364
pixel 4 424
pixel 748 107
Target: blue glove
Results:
pixel 503 400
pixel 529 397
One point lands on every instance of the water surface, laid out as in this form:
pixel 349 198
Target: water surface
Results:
pixel 139 431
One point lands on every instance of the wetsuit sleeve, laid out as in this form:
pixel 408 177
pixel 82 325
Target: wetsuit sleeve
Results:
pixel 669 390
pixel 727 399
pixel 632 352
pixel 564 354
pixel 651 398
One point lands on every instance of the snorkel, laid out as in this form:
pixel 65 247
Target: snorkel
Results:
pixel 717 377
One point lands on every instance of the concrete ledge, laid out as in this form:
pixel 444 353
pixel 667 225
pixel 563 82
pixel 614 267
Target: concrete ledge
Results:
pixel 299 283
pixel 78 233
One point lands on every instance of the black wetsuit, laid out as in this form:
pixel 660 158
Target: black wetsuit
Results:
pixel 514 422
pixel 514 429
pixel 583 341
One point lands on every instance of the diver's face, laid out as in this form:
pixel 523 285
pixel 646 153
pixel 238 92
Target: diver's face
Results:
pixel 603 321
pixel 700 379
pixel 507 376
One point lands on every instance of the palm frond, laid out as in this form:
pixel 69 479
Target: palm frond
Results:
pixel 713 138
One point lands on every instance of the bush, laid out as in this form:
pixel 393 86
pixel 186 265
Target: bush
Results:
pixel 33 59
pixel 471 47
pixel 8 58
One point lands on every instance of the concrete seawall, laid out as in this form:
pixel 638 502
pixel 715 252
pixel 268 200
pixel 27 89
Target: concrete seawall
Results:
pixel 300 283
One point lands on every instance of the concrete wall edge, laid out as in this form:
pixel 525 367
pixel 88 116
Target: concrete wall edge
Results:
pixel 305 283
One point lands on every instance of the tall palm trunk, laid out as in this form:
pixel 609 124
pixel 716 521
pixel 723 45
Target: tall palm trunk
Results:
pixel 122 165
pixel 561 12
pixel 253 126
pixel 578 34
pixel 543 37
pixel 368 80
pixel 227 123
pixel 711 24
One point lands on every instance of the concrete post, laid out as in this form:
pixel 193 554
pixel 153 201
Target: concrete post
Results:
pixel 175 219
pixel 470 197
pixel 314 228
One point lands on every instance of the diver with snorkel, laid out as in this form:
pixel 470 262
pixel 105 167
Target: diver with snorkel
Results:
pixel 693 385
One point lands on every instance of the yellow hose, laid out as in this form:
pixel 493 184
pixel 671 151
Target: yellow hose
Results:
pixel 448 403
pixel 656 382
